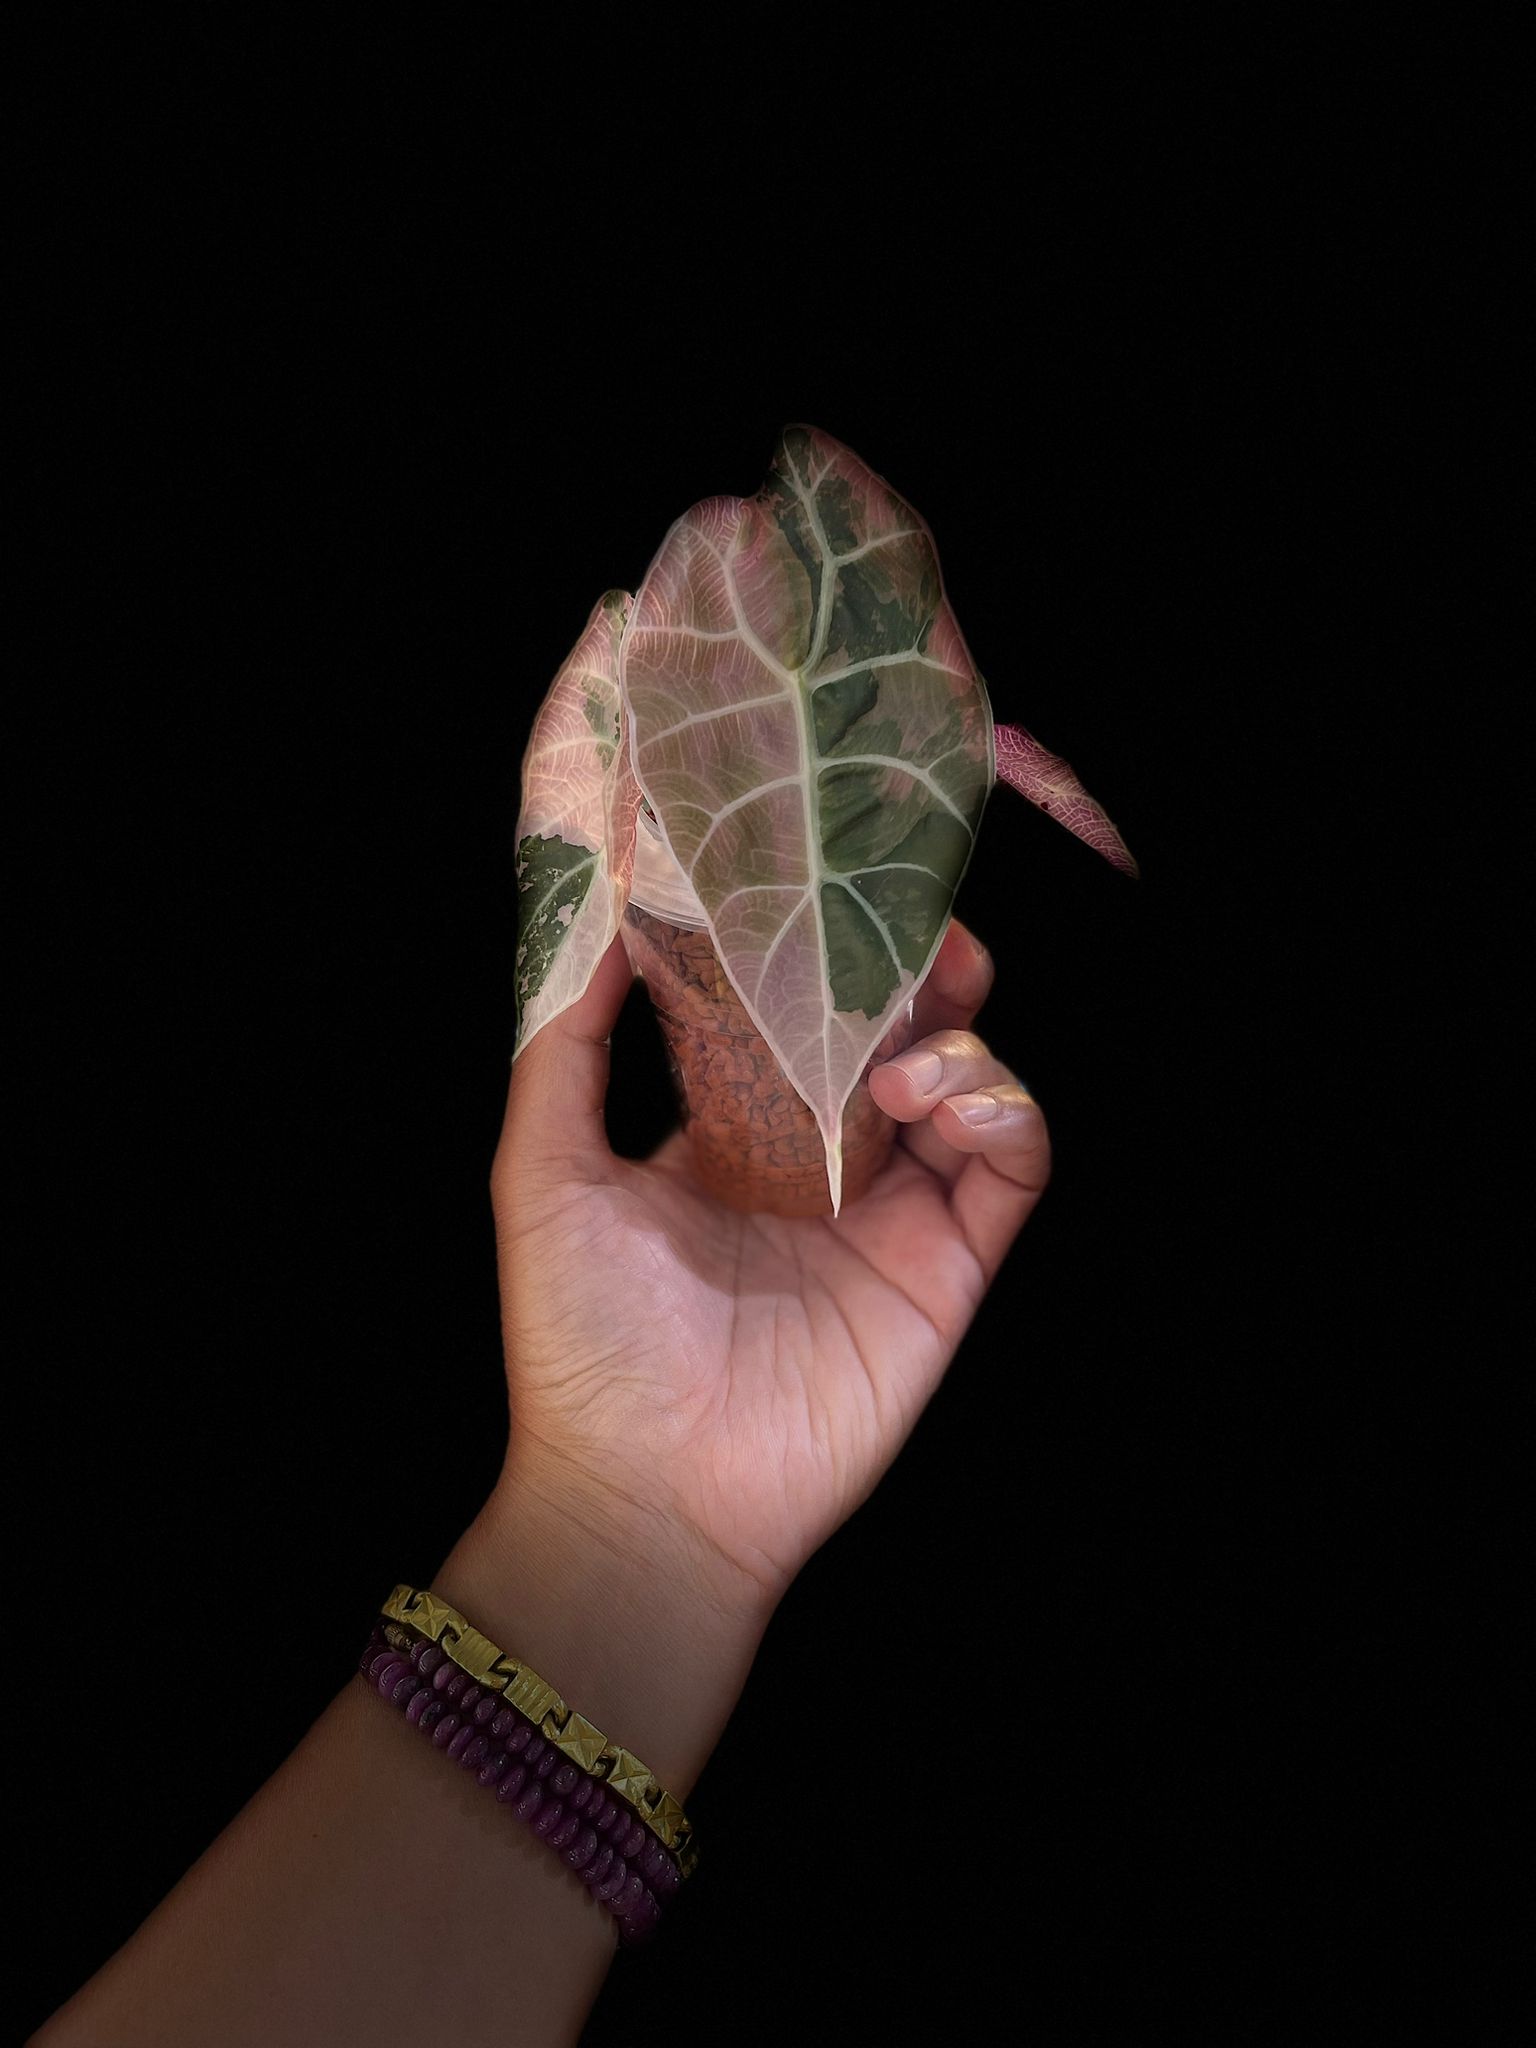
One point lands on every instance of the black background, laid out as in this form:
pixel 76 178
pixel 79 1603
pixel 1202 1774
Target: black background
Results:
pixel 367 362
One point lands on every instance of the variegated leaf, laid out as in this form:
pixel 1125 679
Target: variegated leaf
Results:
pixel 812 734
pixel 576 829
pixel 1046 780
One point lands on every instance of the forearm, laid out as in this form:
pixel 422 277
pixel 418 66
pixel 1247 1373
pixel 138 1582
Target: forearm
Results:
pixel 369 1880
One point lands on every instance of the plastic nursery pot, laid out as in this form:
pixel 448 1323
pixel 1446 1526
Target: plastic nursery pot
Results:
pixel 755 1142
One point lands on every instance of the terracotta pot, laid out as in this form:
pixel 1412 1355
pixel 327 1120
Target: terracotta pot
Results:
pixel 754 1140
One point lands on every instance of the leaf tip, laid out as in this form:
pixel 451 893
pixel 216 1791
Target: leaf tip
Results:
pixel 834 1151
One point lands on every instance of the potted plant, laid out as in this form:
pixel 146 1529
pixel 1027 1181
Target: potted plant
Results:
pixel 767 769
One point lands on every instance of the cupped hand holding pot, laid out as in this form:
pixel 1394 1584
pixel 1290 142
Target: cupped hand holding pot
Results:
pixel 700 1397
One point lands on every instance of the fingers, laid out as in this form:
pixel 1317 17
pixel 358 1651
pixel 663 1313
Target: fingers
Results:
pixel 943 1064
pixel 971 1121
pixel 958 983
pixel 554 1116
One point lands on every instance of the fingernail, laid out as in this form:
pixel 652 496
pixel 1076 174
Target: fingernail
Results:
pixel 923 1070
pixel 974 1109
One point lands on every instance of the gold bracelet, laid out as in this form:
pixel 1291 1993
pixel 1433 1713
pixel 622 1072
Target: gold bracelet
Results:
pixel 571 1733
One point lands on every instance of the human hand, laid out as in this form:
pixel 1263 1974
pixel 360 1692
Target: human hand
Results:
pixel 728 1387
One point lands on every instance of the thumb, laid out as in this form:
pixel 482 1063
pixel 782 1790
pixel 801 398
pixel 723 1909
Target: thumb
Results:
pixel 554 1121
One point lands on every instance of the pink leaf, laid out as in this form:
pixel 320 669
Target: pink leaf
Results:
pixel 1047 781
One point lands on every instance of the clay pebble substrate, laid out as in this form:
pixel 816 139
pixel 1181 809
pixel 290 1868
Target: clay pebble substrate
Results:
pixel 754 1139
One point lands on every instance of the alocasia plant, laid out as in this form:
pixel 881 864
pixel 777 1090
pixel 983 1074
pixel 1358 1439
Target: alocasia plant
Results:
pixel 790 702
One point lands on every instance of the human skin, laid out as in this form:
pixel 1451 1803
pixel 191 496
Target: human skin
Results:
pixel 698 1399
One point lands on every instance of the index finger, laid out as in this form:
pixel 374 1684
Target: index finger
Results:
pixel 958 983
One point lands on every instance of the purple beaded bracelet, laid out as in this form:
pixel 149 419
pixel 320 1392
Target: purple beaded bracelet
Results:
pixel 616 1856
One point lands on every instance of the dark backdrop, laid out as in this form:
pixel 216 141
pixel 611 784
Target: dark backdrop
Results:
pixel 369 362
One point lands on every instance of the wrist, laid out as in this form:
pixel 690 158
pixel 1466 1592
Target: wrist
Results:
pixel 631 1622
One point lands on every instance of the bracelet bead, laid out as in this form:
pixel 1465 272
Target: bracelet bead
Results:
pixel 445 1730
pixel 641 1920
pixel 548 1817
pixel 512 1784
pixel 563 1836
pixel 582 1850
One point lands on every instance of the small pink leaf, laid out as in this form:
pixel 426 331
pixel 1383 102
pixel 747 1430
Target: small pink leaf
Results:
pixel 1047 781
